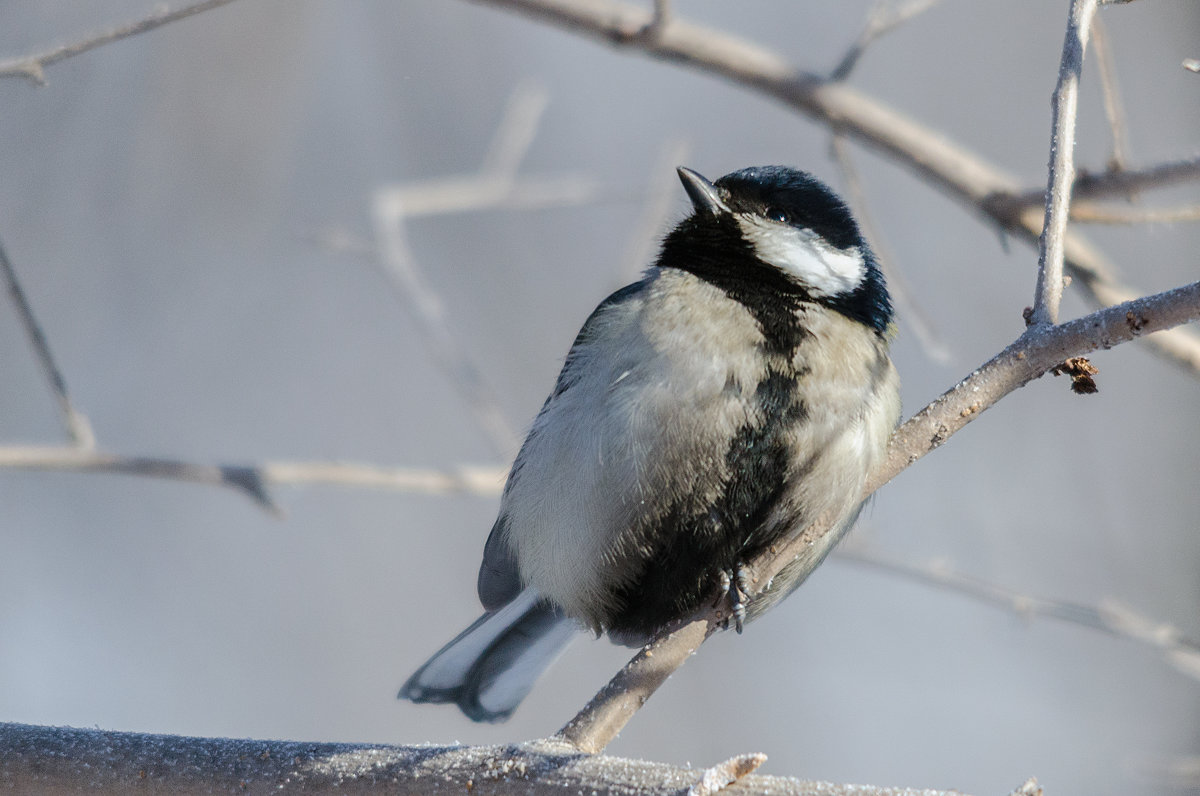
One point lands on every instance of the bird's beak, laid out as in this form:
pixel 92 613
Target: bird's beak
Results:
pixel 705 196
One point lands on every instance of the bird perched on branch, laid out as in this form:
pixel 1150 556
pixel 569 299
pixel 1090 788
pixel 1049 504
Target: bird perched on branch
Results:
pixel 737 392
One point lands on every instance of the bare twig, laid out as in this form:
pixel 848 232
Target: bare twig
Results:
pixel 1110 616
pixel 1125 183
pixel 512 139
pixel 1114 109
pixel 910 311
pixel 467 194
pixel 942 162
pixel 33 67
pixel 1129 182
pixel 254 480
pixel 412 287
pixel 1094 213
pixel 654 28
pixel 77 425
pixel 1051 244
pixel 246 480
pixel 480 480
pixel 882 19
pixel 1027 358
pixel 496 184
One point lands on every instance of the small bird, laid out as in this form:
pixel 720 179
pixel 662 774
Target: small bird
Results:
pixel 737 392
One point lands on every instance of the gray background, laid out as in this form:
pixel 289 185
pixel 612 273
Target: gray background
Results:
pixel 161 197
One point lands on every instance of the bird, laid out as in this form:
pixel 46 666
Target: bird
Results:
pixel 741 389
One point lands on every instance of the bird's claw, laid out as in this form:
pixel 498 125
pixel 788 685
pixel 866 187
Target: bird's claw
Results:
pixel 735 587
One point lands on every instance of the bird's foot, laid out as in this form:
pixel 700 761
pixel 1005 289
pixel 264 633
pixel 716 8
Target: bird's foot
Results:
pixel 735 587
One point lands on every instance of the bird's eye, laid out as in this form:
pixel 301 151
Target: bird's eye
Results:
pixel 778 214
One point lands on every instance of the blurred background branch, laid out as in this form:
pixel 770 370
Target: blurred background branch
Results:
pixel 33 67
pixel 503 182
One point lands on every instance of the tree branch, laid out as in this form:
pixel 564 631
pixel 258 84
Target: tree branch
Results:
pixel 1095 213
pixel 66 760
pixel 33 67
pixel 1036 351
pixel 1108 184
pixel 1109 616
pixel 1051 243
pixel 1114 109
pixel 880 21
pixel 1027 358
pixel 254 480
pixel 77 425
pixel 942 162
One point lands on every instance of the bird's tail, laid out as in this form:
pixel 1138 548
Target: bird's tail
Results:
pixel 489 667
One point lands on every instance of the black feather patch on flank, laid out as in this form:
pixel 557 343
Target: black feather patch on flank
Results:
pixel 693 546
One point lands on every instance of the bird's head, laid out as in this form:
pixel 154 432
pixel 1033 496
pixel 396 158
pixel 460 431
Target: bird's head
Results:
pixel 784 230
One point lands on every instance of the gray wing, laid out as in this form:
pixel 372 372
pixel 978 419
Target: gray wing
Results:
pixel 499 579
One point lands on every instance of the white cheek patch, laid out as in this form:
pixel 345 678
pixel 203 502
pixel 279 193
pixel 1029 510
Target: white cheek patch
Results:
pixel 824 269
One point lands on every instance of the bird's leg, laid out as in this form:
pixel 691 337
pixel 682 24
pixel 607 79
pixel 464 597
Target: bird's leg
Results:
pixel 735 586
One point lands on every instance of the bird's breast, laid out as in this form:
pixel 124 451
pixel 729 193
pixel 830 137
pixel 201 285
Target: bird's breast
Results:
pixel 685 440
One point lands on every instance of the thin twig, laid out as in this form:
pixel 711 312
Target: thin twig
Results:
pixel 248 481
pixel 465 194
pixel 1129 182
pixel 495 182
pixel 662 15
pixel 497 185
pixel 881 21
pixel 1125 184
pixel 1093 213
pixel 1114 109
pixel 33 67
pixel 76 423
pixel 1051 244
pixel 1032 354
pixel 254 480
pixel 513 137
pixel 427 307
pixel 1110 616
